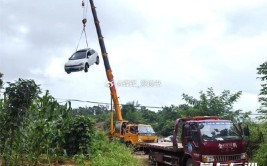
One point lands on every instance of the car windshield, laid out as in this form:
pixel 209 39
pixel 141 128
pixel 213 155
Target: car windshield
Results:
pixel 145 130
pixel 219 131
pixel 78 55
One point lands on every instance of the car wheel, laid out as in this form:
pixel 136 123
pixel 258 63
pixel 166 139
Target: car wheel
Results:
pixel 68 72
pixel 86 67
pixel 97 60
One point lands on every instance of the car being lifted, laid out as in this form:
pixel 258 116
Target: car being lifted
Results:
pixel 82 60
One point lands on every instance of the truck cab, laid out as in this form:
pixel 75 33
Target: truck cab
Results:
pixel 201 141
pixel 212 141
pixel 134 134
pixel 137 134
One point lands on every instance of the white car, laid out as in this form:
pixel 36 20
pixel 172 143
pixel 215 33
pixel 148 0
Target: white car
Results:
pixel 168 139
pixel 81 60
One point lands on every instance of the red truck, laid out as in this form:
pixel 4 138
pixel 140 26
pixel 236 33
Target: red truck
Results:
pixel 205 141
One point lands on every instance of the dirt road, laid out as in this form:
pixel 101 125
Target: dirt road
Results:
pixel 142 157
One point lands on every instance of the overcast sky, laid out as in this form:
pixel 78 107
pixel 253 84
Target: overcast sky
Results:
pixel 183 46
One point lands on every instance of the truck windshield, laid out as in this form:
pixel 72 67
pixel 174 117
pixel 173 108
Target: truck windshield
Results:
pixel 218 131
pixel 78 55
pixel 145 130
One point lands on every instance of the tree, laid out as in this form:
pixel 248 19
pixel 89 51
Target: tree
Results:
pixel 18 98
pixel 148 116
pixel 211 104
pixel 262 71
pixel 260 155
pixel 130 112
pixel 20 95
pixel 1 81
pixel 166 120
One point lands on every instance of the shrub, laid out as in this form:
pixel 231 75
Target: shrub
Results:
pixel 106 153
pixel 79 136
pixel 260 156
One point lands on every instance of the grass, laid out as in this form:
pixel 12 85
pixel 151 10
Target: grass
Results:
pixel 106 153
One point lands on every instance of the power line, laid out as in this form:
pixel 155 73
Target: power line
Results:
pixel 95 102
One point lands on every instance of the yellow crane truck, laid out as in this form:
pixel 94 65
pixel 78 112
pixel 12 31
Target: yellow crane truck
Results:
pixel 128 133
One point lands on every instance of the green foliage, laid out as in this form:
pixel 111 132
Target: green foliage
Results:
pixel 131 113
pixel 148 116
pixel 21 94
pixel 100 113
pixel 262 71
pixel 38 130
pixel 210 104
pixel 257 143
pixel 80 159
pixel 35 129
pixel 48 122
pixel 106 153
pixel 79 136
pixel 92 111
pixel 18 98
pixel 163 120
pixel 49 133
pixel 1 81
pixel 166 119
pixel 42 131
pixel 261 155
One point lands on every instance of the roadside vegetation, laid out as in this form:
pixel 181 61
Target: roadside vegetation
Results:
pixel 37 130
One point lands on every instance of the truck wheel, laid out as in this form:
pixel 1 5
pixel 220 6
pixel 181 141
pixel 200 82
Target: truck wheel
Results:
pixel 152 161
pixel 189 162
pixel 146 151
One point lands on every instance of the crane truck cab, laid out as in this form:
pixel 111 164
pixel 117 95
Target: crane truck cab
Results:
pixel 207 141
pixel 134 134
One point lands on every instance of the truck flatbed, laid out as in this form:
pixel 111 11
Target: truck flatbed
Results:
pixel 168 146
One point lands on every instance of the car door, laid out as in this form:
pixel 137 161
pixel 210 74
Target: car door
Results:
pixel 194 143
pixel 89 57
pixel 93 55
pixel 131 134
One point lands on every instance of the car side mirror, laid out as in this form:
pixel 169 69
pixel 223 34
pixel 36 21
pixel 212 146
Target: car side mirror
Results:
pixel 246 131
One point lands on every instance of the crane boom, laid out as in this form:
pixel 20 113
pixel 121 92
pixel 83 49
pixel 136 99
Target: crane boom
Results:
pixel 106 63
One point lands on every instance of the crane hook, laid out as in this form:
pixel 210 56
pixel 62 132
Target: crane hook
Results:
pixel 84 21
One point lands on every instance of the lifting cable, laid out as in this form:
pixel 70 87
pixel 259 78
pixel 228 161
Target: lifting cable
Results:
pixel 84 21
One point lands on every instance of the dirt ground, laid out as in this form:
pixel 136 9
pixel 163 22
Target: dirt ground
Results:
pixel 142 157
pixel 139 155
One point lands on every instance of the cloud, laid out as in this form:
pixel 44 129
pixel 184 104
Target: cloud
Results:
pixel 248 21
pixel 187 45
